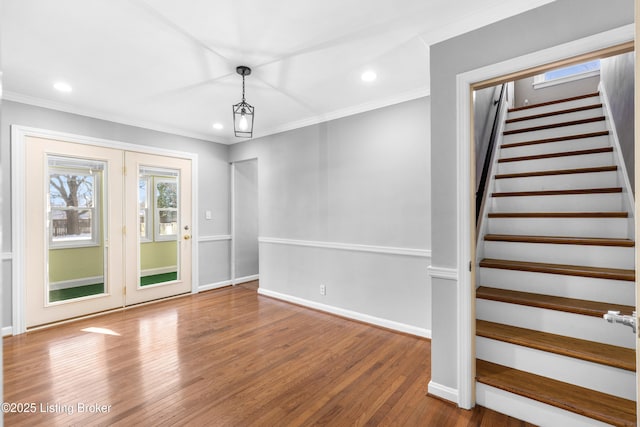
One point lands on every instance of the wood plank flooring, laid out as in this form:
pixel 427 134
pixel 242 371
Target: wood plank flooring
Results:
pixel 227 357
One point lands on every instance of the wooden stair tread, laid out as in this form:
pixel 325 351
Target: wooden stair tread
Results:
pixel 558 215
pixel 604 354
pixel 554 125
pixel 557 172
pixel 600 406
pixel 560 240
pixel 558 154
pixel 557 101
pixel 551 302
pixel 556 139
pixel 554 113
pixel 558 192
pixel 564 269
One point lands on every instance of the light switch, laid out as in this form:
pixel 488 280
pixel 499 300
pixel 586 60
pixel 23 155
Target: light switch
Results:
pixel 207 214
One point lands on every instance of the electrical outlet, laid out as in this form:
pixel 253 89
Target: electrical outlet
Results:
pixel 323 290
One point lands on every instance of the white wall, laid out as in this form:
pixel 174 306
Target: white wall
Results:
pixel 540 28
pixel 346 204
pixel 213 182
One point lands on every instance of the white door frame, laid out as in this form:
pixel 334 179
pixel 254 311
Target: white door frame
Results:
pixel 464 81
pixel 18 226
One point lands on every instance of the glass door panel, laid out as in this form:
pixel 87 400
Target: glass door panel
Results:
pixel 73 237
pixel 160 190
pixel 76 244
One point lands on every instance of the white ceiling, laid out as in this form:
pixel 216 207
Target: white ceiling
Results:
pixel 170 65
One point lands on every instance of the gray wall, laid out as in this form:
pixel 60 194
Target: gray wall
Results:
pixel 246 218
pixel 484 112
pixel 544 27
pixel 524 90
pixel 360 180
pixel 617 75
pixel 213 180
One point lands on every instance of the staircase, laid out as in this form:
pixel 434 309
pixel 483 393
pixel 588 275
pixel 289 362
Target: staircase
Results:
pixel 557 253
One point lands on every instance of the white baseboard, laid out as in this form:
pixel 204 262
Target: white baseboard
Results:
pixel 443 392
pixel 389 324
pixel 246 279
pixel 74 283
pixel 7 331
pixel 159 270
pixel 216 285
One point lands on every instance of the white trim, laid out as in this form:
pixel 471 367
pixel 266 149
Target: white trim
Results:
pixel 622 167
pixel 159 270
pixel 74 283
pixel 6 256
pixel 423 253
pixel 216 238
pixel 443 273
pixel 7 331
pixel 354 315
pixel 463 162
pixel 246 279
pixel 216 285
pixel 442 391
pixel 100 115
pixel 18 135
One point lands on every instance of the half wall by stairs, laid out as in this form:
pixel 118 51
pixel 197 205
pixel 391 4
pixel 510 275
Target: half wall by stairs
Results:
pixel 557 253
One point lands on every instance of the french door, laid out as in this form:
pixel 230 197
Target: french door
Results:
pixel 105 228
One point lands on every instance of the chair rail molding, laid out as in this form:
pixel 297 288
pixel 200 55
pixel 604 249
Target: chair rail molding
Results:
pixel 423 253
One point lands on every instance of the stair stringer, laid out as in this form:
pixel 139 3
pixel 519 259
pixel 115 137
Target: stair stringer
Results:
pixel 623 176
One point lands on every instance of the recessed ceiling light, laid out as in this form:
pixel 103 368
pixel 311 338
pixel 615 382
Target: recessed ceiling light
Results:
pixel 62 87
pixel 218 126
pixel 369 76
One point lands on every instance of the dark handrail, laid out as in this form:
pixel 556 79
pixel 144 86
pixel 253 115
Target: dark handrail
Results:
pixel 488 157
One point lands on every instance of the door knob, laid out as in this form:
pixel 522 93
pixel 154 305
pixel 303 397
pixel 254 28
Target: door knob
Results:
pixel 187 237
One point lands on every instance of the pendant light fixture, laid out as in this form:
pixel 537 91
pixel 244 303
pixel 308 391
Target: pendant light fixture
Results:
pixel 242 111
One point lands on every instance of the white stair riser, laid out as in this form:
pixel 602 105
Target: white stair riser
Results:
pixel 558 182
pixel 594 376
pixel 556 163
pixel 608 202
pixel 556 147
pixel 556 322
pixel 555 107
pixel 585 288
pixel 568 227
pixel 530 410
pixel 585 255
pixel 559 118
pixel 568 130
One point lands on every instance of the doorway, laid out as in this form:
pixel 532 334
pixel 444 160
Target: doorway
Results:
pixel 603 45
pixel 104 227
pixel 244 217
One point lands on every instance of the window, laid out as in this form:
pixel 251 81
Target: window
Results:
pixel 166 208
pixel 567 74
pixel 74 200
pixel 144 206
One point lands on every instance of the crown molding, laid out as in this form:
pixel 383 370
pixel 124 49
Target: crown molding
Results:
pixel 101 115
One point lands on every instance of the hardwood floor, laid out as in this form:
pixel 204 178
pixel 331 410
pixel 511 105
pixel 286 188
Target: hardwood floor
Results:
pixel 225 357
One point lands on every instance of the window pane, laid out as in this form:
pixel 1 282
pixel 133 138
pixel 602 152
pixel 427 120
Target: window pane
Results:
pixel 166 195
pixel 71 224
pixel 71 190
pixel 572 70
pixel 168 222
